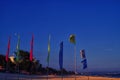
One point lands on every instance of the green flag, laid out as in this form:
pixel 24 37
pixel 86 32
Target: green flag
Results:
pixel 17 48
pixel 48 50
pixel 72 39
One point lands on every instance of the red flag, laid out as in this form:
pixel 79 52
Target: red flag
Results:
pixel 31 50
pixel 8 50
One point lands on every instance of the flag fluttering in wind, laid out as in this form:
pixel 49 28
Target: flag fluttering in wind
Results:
pixel 31 50
pixel 18 50
pixel 48 50
pixel 84 61
pixel 8 49
pixel 82 53
pixel 72 39
pixel 61 55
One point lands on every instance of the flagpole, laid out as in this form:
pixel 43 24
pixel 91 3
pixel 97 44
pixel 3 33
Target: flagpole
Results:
pixel 31 55
pixel 6 70
pixel 88 74
pixel 75 60
pixel 18 69
pixel 17 59
pixel 48 56
pixel 47 70
pixel 31 63
pixel 72 40
pixel 6 67
pixel 62 74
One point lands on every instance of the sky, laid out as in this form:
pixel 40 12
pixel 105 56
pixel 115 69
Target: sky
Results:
pixel 95 23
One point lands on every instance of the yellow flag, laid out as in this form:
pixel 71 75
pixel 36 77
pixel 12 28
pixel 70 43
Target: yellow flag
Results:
pixel 72 39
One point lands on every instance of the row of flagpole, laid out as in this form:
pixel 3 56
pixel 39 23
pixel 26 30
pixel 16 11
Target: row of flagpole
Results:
pixel 71 39
pixel 17 53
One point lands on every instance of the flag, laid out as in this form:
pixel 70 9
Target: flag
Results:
pixel 18 46
pixel 61 55
pixel 48 50
pixel 8 49
pixel 82 53
pixel 31 50
pixel 72 39
pixel 84 62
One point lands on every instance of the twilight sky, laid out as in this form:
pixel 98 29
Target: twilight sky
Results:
pixel 96 24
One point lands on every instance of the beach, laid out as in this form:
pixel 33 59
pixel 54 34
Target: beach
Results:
pixel 82 78
pixel 8 76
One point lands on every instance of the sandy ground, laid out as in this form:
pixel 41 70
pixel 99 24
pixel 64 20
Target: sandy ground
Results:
pixel 51 77
pixel 81 78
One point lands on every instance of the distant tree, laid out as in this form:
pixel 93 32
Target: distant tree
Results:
pixel 64 71
pixel 2 61
pixel 11 66
pixel 71 72
pixel 32 67
pixel 52 71
pixel 25 64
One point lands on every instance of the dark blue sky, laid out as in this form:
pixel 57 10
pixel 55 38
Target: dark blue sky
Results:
pixel 96 25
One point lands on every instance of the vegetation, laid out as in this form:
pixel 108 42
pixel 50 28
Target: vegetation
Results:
pixel 25 66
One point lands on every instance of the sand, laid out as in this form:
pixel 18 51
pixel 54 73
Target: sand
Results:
pixel 70 78
pixel 81 78
pixel 51 77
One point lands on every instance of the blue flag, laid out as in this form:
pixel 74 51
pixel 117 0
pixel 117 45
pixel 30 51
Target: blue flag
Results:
pixel 84 62
pixel 61 55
